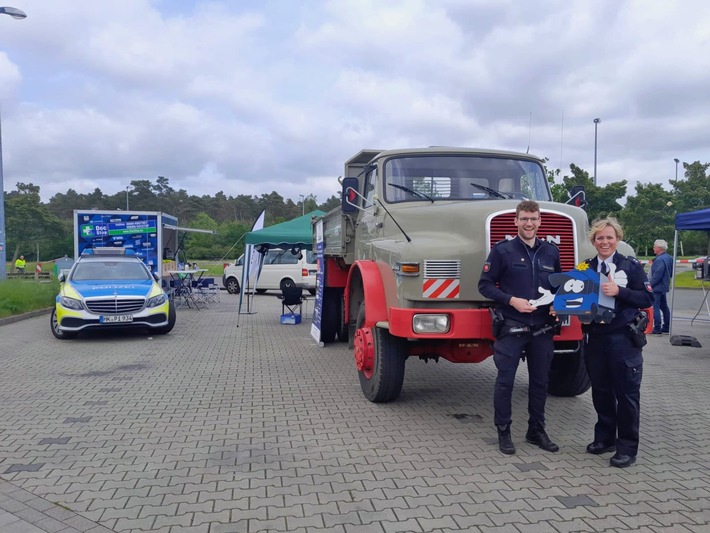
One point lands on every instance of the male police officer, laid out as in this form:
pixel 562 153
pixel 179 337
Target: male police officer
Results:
pixel 514 276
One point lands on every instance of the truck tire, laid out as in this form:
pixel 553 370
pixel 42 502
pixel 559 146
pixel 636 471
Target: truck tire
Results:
pixel 330 318
pixel 58 333
pixel 232 285
pixel 568 374
pixel 344 329
pixel 382 383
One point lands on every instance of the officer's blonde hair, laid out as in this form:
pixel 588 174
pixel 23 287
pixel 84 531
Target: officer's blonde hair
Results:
pixel 599 225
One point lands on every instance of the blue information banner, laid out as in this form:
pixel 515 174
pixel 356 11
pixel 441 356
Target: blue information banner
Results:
pixel 320 281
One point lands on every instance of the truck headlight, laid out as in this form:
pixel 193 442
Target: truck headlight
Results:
pixel 155 301
pixel 431 323
pixel 71 303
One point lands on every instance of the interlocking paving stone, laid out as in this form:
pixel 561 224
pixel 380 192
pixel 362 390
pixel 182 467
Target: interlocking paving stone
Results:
pixel 58 440
pixel 23 468
pixel 220 429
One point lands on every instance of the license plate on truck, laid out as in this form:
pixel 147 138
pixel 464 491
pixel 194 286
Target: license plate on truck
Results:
pixel 116 318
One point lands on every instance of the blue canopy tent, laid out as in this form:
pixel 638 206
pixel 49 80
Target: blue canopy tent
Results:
pixel 691 221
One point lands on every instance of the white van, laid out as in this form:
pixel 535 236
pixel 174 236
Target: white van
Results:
pixel 281 269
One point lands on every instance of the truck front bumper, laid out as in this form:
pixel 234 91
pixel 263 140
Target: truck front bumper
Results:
pixel 462 324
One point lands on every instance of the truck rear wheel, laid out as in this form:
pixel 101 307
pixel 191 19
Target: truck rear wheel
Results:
pixel 330 319
pixel 568 374
pixel 379 358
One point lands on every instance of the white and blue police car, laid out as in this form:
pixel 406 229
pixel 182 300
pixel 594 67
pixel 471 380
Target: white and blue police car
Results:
pixel 110 288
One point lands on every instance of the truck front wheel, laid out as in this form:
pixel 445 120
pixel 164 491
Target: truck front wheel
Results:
pixel 379 358
pixel 568 374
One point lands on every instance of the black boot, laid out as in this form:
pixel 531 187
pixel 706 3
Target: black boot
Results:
pixel 536 435
pixel 505 443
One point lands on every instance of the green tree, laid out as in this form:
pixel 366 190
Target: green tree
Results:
pixel 29 223
pixel 690 194
pixel 648 216
pixel 601 201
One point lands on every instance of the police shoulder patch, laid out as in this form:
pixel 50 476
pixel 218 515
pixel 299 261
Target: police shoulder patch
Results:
pixel 486 266
pixel 648 286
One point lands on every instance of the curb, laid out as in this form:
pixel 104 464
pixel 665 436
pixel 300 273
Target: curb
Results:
pixel 23 316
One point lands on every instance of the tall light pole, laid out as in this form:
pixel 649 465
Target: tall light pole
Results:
pixel 596 125
pixel 127 187
pixel 16 14
pixel 303 204
pixel 676 168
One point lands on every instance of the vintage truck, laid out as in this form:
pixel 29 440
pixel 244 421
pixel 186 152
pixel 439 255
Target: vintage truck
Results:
pixel 402 256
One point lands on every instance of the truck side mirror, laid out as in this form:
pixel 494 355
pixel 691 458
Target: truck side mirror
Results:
pixel 350 195
pixel 577 197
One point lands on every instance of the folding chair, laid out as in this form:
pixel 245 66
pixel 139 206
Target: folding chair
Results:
pixel 291 299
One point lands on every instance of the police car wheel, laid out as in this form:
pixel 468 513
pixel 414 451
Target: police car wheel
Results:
pixel 172 316
pixel 58 333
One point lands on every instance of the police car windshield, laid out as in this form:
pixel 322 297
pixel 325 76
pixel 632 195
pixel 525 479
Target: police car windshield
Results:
pixel 463 177
pixel 110 271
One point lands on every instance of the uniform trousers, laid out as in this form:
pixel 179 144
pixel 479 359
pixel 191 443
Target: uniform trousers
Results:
pixel 615 368
pixel 508 351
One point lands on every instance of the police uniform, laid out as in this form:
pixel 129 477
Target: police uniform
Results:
pixel 615 363
pixel 515 269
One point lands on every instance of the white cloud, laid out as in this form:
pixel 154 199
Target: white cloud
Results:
pixel 249 97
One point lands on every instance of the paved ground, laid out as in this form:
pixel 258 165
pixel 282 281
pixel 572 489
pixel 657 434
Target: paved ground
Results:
pixel 215 429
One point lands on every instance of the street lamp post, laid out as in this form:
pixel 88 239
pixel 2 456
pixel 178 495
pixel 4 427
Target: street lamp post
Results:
pixel 676 168
pixel 596 125
pixel 16 14
pixel 303 204
pixel 127 198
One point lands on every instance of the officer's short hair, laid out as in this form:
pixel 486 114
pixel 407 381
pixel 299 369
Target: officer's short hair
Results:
pixel 663 245
pixel 600 224
pixel 527 205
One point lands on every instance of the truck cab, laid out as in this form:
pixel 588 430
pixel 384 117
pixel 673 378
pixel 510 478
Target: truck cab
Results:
pixel 403 255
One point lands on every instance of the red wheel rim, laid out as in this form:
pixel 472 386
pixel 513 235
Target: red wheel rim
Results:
pixel 364 352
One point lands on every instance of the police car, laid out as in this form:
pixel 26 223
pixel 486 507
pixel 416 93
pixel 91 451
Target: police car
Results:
pixel 110 288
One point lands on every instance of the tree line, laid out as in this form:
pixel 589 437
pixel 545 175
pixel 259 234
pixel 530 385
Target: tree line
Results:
pixel 44 231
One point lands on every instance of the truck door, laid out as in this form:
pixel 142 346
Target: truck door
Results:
pixel 370 223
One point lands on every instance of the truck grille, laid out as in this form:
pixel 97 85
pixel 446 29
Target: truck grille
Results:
pixel 442 269
pixel 556 228
pixel 115 306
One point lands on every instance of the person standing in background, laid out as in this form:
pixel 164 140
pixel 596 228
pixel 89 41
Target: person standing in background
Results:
pixel 661 272
pixel 20 264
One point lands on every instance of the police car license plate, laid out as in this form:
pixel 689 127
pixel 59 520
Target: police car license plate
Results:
pixel 116 318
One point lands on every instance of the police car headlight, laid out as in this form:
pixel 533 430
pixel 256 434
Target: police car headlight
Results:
pixel 431 323
pixel 155 301
pixel 71 303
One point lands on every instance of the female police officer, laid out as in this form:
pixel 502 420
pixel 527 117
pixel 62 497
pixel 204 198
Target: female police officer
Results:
pixel 512 277
pixel 613 355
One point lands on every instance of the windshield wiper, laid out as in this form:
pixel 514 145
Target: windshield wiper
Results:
pixel 492 192
pixel 412 192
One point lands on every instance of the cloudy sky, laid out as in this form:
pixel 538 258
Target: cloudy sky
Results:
pixel 252 96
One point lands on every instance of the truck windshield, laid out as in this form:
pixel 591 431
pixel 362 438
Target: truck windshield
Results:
pixel 463 177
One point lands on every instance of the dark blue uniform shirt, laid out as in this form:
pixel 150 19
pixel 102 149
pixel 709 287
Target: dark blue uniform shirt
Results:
pixel 515 269
pixel 634 296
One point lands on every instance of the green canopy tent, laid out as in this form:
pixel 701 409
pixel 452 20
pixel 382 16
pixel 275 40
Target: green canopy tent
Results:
pixel 296 232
